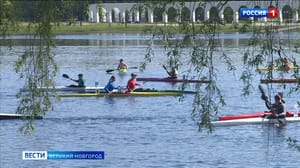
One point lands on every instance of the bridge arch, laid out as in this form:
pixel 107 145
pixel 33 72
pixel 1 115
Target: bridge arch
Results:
pixel 228 15
pixel 130 12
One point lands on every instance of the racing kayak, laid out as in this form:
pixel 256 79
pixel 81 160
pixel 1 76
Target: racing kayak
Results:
pixel 277 68
pixel 252 115
pixel 257 120
pixel 88 89
pixel 172 80
pixel 92 89
pixel 253 118
pixel 279 80
pixel 124 94
pixel 6 116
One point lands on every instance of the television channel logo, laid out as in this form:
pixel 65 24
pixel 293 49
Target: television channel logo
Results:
pixel 34 155
pixel 63 155
pixel 259 12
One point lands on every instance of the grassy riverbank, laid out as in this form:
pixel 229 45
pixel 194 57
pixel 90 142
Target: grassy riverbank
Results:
pixel 89 28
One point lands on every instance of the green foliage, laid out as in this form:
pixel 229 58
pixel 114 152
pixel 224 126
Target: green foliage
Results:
pixel 185 42
pixel 65 10
pixel 101 11
pixel 267 49
pixel 37 66
pixel 6 17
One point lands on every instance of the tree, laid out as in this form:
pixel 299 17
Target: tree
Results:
pixel 101 11
pixel 6 17
pixel 201 54
pixel 37 66
pixel 263 46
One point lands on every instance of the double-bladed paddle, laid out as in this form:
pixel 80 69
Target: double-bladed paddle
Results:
pixel 167 70
pixel 67 77
pixel 263 93
pixel 110 70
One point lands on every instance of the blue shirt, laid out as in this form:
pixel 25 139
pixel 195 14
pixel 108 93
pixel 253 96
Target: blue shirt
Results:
pixel 109 87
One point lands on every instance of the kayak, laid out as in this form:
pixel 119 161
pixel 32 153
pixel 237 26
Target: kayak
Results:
pixel 252 115
pixel 277 68
pixel 173 80
pixel 122 71
pixel 279 80
pixel 125 94
pixel 74 89
pixel 257 120
pixel 6 116
pixel 253 118
pixel 93 89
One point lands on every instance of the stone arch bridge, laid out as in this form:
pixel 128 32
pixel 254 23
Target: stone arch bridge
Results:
pixel 192 12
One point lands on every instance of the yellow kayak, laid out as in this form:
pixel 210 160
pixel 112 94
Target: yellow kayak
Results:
pixel 117 94
pixel 277 68
pixel 122 71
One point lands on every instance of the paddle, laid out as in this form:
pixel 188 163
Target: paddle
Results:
pixel 167 70
pixel 67 77
pixel 110 70
pixel 263 93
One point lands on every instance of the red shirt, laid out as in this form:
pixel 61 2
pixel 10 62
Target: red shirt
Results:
pixel 131 85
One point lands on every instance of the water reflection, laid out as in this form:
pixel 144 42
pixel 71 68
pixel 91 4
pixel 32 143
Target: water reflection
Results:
pixel 226 40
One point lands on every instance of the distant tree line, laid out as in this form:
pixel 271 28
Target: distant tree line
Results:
pixel 66 10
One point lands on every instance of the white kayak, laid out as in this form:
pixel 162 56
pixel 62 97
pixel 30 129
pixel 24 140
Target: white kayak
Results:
pixel 88 89
pixel 258 120
pixel 8 116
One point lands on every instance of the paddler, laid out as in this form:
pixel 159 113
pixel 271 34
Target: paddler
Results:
pixel 277 109
pixel 79 81
pixel 110 85
pixel 287 64
pixel 131 84
pixel 173 73
pixel 122 65
pixel 283 101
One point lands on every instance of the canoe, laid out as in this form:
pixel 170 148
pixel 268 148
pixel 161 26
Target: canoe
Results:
pixel 277 68
pixel 118 94
pixel 172 80
pixel 88 89
pixel 279 80
pixel 257 120
pixel 6 116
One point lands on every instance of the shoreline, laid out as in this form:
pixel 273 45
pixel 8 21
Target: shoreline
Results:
pixel 90 28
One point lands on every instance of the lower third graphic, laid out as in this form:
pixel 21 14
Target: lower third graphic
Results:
pixel 63 155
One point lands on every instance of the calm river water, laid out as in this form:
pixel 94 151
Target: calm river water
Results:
pixel 140 131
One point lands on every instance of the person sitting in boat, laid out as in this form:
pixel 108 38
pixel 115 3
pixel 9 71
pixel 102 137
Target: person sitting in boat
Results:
pixel 131 84
pixel 173 73
pixel 283 102
pixel 79 81
pixel 110 85
pixel 277 109
pixel 122 66
pixel 281 95
pixel 287 64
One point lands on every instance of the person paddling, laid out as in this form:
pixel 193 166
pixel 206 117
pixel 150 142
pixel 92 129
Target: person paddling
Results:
pixel 110 85
pixel 79 81
pixel 131 84
pixel 122 65
pixel 173 73
pixel 277 109
pixel 287 64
